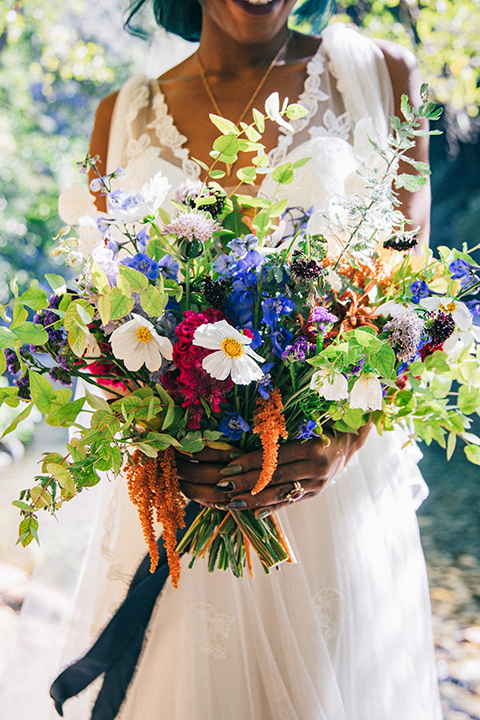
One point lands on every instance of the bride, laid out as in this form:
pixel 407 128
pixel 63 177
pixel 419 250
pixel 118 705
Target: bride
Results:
pixel 345 634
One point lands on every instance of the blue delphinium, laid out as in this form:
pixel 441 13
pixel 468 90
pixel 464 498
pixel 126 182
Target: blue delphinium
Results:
pixel 280 338
pixel 233 425
pixel 273 308
pixel 419 290
pixel 306 430
pixel 265 384
pixel 143 264
pixel 168 266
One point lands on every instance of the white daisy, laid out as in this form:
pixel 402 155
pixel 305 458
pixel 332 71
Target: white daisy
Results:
pixel 136 342
pixel 331 385
pixel 233 355
pixel 366 393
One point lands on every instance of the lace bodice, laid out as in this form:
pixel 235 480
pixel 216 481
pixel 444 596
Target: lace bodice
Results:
pixel 346 80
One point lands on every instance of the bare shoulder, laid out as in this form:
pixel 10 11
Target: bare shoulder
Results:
pixel 100 136
pixel 403 68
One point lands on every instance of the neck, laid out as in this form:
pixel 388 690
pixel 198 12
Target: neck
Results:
pixel 220 53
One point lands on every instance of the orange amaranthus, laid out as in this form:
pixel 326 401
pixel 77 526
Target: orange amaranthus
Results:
pixel 270 425
pixel 153 487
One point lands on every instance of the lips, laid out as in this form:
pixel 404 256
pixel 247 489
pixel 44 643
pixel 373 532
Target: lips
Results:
pixel 257 7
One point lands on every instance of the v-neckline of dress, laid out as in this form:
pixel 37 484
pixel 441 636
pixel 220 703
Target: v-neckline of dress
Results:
pixel 310 96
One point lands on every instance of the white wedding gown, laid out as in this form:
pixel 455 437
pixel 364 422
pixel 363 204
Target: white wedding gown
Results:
pixel 345 634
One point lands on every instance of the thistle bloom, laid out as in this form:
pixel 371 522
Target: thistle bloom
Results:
pixel 330 384
pixel 136 343
pixel 366 393
pixel 192 225
pixel 232 355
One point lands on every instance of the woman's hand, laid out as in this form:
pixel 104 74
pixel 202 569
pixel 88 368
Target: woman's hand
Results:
pixel 215 477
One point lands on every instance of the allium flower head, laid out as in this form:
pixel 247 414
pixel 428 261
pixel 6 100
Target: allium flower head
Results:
pixel 136 343
pixel 366 394
pixel 232 355
pixel 192 225
pixel 330 384
pixel 405 334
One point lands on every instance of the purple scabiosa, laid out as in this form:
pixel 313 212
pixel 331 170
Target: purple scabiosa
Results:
pixel 405 332
pixel 306 430
pixel 216 291
pixel 402 243
pixel 304 268
pixel 188 189
pixel 143 264
pixel 233 425
pixel 192 225
pixel 440 326
pixel 419 290
pixel 273 308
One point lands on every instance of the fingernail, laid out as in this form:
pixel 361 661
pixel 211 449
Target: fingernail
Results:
pixel 231 470
pixel 237 504
pixel 225 486
pixel 262 514
pixel 236 453
pixel 220 506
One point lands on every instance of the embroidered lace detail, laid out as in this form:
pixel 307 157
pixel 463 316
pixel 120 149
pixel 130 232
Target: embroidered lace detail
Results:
pixel 141 146
pixel 310 97
pixel 168 135
pixel 139 100
pixel 327 606
pixel 210 629
pixel 334 125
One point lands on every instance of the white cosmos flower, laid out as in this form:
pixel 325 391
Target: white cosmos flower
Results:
pixel 272 109
pixel 460 313
pixel 366 393
pixel 331 385
pixel 233 355
pixel 136 342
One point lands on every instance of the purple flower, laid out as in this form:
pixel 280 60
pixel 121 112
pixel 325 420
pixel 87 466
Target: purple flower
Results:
pixel 143 264
pixel 222 265
pixel 419 290
pixel 60 375
pixel 280 339
pixel 322 319
pixel 274 307
pixel 143 238
pixel 233 425
pixel 241 245
pixel 306 430
pixel 296 352
pixel 257 339
pixel 460 268
pixel 13 363
pixel 252 261
pixel 168 267
pixel 265 383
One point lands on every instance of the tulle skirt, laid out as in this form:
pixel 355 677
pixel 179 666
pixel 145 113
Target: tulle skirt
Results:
pixel 345 634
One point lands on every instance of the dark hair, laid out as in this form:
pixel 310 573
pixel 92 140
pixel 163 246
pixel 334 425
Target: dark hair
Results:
pixel 184 17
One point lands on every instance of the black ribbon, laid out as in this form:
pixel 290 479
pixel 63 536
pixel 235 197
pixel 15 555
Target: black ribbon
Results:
pixel 116 651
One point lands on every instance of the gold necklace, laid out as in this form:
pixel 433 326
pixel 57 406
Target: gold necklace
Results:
pixel 255 92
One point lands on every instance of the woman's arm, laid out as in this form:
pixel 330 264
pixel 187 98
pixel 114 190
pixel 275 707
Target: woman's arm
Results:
pixel 99 140
pixel 406 80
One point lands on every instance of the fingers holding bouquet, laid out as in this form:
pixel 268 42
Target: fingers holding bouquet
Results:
pixel 304 469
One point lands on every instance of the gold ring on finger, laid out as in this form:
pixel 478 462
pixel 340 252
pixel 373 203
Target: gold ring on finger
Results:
pixel 296 493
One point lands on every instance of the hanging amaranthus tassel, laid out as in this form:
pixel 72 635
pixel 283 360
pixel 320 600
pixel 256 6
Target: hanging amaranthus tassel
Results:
pixel 153 486
pixel 270 425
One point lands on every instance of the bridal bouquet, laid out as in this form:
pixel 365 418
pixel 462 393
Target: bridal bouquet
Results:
pixel 238 321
